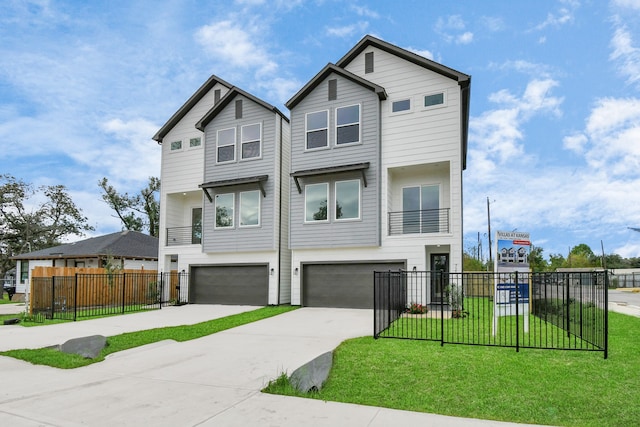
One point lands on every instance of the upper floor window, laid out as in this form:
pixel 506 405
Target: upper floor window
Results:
pixel 249 208
pixel 176 145
pixel 401 105
pixel 226 145
pixel 251 137
pixel 224 210
pixel 434 100
pixel 315 202
pixel 317 129
pixel 348 124
pixel 195 142
pixel 347 200
pixel 196 226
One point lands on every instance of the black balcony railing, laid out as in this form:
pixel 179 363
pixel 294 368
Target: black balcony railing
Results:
pixel 419 222
pixel 177 236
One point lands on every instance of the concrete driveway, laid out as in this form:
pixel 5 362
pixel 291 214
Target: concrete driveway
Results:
pixel 211 381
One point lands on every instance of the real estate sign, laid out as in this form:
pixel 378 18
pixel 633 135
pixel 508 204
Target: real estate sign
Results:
pixel 513 249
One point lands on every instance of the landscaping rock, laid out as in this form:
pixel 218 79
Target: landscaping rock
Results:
pixel 88 347
pixel 311 376
pixel 13 321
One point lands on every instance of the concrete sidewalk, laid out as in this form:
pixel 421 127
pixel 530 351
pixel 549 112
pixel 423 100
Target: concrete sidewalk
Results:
pixel 211 381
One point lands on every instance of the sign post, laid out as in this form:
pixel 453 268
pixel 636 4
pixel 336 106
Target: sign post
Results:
pixel 511 288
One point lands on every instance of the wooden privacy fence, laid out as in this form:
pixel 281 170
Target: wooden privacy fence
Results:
pixel 72 292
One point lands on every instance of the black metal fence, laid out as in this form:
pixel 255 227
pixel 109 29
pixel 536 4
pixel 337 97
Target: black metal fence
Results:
pixel 92 295
pixel 565 311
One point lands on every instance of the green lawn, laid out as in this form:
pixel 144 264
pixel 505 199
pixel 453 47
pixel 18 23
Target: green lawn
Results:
pixel 554 387
pixel 54 358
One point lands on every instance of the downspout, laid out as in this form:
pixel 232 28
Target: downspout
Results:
pixel 280 218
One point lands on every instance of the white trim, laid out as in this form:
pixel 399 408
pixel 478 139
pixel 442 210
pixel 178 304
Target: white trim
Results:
pixel 173 150
pixel 335 200
pixel 218 146
pixel 195 147
pixel 436 106
pixel 322 221
pixel 233 213
pixel 259 140
pixel 407 111
pixel 240 210
pixel 359 123
pixel 306 131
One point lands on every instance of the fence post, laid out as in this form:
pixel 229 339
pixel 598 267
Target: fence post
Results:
pixel 75 297
pixel 442 291
pixel 124 287
pixel 517 313
pixel 568 305
pixel 53 296
pixel 375 311
pixel 606 314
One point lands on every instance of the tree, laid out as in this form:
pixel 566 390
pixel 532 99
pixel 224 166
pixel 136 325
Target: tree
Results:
pixel 27 225
pixel 471 263
pixel 136 212
pixel 536 260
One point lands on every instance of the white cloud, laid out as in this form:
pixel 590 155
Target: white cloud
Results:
pixel 452 29
pixel 465 38
pixel 348 30
pixel 633 4
pixel 422 52
pixel 626 55
pixel 365 11
pixel 563 16
pixel 575 142
pixel 226 42
pixel 492 23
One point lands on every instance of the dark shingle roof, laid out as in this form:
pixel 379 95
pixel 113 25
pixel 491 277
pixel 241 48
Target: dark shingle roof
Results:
pixel 123 244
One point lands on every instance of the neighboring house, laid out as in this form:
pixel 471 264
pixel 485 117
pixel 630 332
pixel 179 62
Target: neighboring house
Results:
pixel 378 146
pixel 131 249
pixel 223 218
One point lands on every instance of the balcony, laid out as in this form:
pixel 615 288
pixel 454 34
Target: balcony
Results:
pixel 419 222
pixel 177 236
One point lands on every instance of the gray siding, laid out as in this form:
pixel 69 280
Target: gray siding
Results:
pixel 249 238
pixel 364 232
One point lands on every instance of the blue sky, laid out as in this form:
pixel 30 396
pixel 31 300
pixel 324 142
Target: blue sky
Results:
pixel 555 103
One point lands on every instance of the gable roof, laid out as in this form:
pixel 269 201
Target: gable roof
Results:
pixel 324 73
pixel 123 244
pixel 191 102
pixel 233 92
pixel 464 80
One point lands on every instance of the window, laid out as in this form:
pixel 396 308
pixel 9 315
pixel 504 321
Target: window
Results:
pixel 317 129
pixel 434 100
pixel 195 142
pixel 420 206
pixel 239 109
pixel 347 200
pixel 24 271
pixel 196 226
pixel 249 208
pixel 226 145
pixel 216 96
pixel 250 141
pixel 176 145
pixel 348 124
pixel 224 210
pixel 315 202
pixel 402 105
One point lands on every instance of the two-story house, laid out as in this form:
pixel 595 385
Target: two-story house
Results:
pixel 225 164
pixel 378 146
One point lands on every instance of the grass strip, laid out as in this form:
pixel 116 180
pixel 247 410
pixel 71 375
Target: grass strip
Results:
pixel 552 387
pixel 54 358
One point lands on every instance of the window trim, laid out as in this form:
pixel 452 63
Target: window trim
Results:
pixel 218 146
pixel 408 110
pixel 195 147
pixel 240 225
pixel 359 123
pixel 171 144
pixel 435 106
pixel 259 140
pixel 335 200
pixel 306 130
pixel 319 221
pixel 233 212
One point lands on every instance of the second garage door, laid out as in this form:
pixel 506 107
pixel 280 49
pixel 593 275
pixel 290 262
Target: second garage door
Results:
pixel 341 285
pixel 230 284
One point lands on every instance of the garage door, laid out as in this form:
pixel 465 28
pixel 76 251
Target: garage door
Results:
pixel 230 284
pixel 341 285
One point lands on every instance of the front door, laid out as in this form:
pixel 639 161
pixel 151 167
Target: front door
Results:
pixel 439 276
